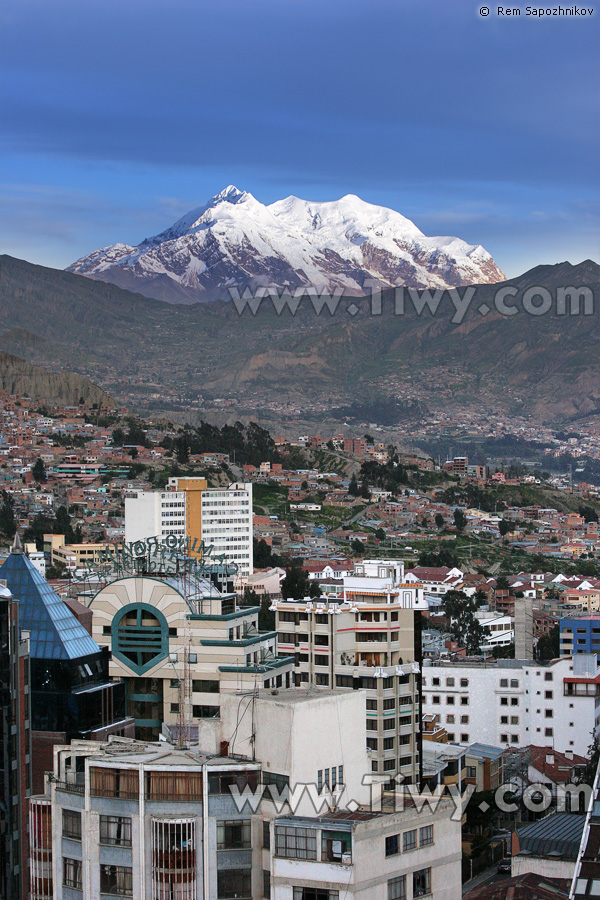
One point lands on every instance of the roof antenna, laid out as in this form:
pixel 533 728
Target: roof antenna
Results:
pixel 17 546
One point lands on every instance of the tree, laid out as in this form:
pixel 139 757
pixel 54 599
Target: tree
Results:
pixel 357 547
pixel 465 628
pixel 439 556
pixel 548 646
pixel 369 438
pixel 8 522
pixel 296 585
pixel 380 534
pixel 439 521
pixel 365 493
pixel 460 520
pixel 503 527
pixel 353 486
pixel 39 471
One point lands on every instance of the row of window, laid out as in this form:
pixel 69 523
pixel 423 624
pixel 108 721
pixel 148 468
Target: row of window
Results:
pixel 409 840
pixel 115 880
pixel 330 778
pixel 450 700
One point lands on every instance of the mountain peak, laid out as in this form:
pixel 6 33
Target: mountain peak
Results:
pixel 230 194
pixel 331 245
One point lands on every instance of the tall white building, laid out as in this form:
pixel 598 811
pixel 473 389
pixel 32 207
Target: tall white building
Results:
pixel 221 517
pixel 227 524
pixel 516 702
pixel 154 514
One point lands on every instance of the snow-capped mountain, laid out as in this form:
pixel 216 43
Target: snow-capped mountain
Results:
pixel 235 240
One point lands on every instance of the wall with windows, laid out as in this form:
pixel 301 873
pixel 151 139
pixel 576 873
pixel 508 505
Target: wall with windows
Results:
pixel 514 703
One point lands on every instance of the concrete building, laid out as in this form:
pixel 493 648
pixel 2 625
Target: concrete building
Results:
pixel 516 702
pixel 484 767
pixel 580 634
pixel 365 637
pixel 179 644
pixel 157 822
pixel 221 517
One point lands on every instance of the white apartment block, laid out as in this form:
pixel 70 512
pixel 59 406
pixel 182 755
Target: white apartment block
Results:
pixel 516 702
pixel 365 639
pixel 227 524
pixel 154 514
pixel 225 520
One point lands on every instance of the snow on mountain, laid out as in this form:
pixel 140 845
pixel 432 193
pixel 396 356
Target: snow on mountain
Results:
pixel 346 244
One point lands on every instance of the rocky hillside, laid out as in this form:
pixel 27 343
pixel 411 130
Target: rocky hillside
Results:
pixel 19 377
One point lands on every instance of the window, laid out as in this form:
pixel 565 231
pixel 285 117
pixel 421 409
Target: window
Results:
pixel 266 883
pixel 397 888
pixel 464 720
pixel 503 701
pixel 548 732
pixel 421 882
pixel 336 846
pixel 426 835
pixel 321 679
pixel 549 714
pixel 449 682
pixel 464 738
pixel 115 830
pixel 514 683
pixel 450 700
pixel 514 720
pixel 389 704
pixel 435 682
pixel 372 744
pixel 72 873
pixel 204 711
pixel 321 640
pixel 409 840
pixel 547 676
pixel 504 720
pixel 71 824
pixel 450 720
pixel 371 704
pixel 504 682
pixel 234 883
pixel 435 698
pixel 392 845
pixel 266 835
pixel 464 701
pixel 471 771
pixel 504 739
pixel 311 893
pixel 205 686
pixel 388 743
pixel 548 695
pixel 122 783
pixel 295 843
pixel 233 834
pixel 116 880
pixel 464 682
pixel 514 701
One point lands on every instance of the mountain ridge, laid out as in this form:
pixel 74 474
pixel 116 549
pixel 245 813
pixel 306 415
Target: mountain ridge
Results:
pixel 344 245
pixel 153 355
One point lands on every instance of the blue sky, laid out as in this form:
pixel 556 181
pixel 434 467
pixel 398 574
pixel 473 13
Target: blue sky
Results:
pixel 118 117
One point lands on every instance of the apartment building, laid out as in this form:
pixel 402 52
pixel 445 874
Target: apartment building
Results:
pixel 161 822
pixel 580 634
pixel 365 637
pixel 227 524
pixel 516 702
pixel 221 517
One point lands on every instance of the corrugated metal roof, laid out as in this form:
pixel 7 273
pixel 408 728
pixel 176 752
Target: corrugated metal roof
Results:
pixel 558 833
pixel 55 633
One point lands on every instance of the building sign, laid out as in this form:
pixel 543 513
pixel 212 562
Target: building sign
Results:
pixel 171 555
